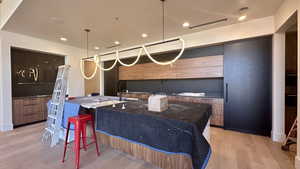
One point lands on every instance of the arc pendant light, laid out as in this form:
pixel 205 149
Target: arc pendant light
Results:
pixel 87 54
pixel 163 37
pixel 132 64
pixel 112 66
pixel 141 48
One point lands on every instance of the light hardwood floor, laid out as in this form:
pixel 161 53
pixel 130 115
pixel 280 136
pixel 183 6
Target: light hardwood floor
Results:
pixel 22 149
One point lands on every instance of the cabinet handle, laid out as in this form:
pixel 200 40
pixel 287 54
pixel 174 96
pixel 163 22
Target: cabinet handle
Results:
pixel 29 114
pixel 226 92
pixel 30 104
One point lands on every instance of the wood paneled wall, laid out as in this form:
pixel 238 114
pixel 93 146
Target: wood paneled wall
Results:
pixel 201 67
pixel 160 159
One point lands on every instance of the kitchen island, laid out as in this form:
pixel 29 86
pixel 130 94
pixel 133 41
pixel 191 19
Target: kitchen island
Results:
pixel 172 139
pixel 216 101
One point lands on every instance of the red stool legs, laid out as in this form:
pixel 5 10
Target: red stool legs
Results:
pixel 80 123
pixel 77 143
pixel 95 137
pixel 66 141
pixel 84 136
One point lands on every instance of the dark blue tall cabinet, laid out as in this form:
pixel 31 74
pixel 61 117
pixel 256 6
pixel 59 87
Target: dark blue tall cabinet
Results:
pixel 248 85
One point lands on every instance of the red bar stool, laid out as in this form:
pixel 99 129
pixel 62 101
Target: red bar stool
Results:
pixel 80 123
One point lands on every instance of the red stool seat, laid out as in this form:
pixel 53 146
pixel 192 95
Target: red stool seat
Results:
pixel 80 123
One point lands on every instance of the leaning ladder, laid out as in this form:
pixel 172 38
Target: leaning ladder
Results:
pixel 291 137
pixel 56 107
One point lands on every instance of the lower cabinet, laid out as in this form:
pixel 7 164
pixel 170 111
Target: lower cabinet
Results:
pixel 29 110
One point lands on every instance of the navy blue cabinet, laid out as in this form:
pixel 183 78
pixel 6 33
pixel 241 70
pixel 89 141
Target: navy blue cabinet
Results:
pixel 248 85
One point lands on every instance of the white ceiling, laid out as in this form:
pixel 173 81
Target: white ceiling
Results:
pixel 52 19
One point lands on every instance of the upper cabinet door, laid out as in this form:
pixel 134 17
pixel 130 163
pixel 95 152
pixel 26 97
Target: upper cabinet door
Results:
pixel 248 85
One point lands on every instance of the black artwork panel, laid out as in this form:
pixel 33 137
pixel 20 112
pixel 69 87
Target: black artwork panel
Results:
pixel 33 73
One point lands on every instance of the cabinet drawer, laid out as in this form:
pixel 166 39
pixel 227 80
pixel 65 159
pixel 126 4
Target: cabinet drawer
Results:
pixel 28 110
pixel 34 108
pixel 32 117
pixel 32 101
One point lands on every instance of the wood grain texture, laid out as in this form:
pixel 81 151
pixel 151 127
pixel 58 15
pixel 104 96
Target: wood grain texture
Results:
pixel 217 104
pixel 201 67
pixel 29 109
pixel 159 159
pixel 22 149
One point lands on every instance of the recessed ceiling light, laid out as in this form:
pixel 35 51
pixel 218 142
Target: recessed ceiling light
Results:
pixel 144 35
pixel 186 24
pixel 242 17
pixel 96 48
pixel 63 39
pixel 243 13
pixel 117 42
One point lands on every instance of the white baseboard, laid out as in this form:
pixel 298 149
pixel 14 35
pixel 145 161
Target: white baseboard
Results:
pixel 278 137
pixel 6 127
pixel 297 162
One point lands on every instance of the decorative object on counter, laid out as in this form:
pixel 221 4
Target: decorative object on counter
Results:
pixel 158 103
pixel 56 107
pixel 141 48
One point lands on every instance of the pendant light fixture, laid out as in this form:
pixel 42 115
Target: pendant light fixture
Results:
pixel 163 40
pixel 141 48
pixel 87 55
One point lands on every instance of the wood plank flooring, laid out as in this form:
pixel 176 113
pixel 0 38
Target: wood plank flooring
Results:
pixel 22 149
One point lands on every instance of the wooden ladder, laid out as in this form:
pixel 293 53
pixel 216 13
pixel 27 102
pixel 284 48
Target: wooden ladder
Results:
pixel 291 137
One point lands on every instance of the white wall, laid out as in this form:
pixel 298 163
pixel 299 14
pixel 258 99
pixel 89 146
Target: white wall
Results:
pixel 283 17
pixel 285 11
pixel 278 87
pixel 76 82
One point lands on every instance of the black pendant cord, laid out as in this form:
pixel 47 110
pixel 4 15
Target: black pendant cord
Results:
pixel 163 19
pixel 87 41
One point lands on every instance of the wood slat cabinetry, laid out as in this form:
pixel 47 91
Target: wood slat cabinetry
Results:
pixel 29 109
pixel 201 67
